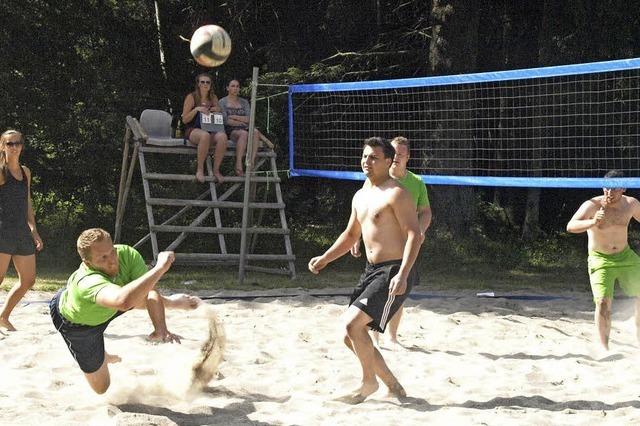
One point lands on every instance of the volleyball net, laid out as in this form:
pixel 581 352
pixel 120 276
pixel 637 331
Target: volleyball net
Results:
pixel 562 126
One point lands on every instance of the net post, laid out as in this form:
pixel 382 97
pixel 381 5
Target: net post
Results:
pixel 247 178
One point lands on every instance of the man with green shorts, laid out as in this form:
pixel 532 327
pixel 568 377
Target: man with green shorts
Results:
pixel 418 190
pixel 606 219
pixel 110 281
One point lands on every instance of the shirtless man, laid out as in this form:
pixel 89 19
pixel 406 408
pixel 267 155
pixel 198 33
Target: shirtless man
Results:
pixel 110 281
pixel 384 214
pixel 418 191
pixel 606 219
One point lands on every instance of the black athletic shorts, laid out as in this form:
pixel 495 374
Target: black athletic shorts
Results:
pixel 371 295
pixel 17 242
pixel 85 342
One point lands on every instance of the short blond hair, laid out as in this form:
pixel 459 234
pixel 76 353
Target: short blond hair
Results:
pixel 401 140
pixel 86 240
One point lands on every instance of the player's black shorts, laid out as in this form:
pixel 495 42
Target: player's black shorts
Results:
pixel 17 242
pixel 85 342
pixel 371 295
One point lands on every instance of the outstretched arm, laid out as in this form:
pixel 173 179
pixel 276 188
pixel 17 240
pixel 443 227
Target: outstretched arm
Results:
pixel 588 215
pixel 342 245
pixel 134 293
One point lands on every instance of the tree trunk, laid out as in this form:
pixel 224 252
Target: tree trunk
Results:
pixel 531 225
pixel 549 24
pixel 519 21
pixel 163 64
pixel 453 49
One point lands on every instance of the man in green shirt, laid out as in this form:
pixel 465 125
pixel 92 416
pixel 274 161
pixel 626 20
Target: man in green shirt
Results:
pixel 414 185
pixel 111 280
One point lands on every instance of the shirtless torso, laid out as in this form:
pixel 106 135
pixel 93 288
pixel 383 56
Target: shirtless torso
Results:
pixel 383 237
pixel 606 219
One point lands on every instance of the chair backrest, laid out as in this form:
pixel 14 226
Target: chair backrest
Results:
pixel 156 123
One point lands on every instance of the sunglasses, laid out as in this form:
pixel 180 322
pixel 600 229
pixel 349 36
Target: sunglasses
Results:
pixel 15 143
pixel 204 82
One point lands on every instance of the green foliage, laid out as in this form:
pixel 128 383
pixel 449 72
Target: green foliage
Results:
pixel 73 70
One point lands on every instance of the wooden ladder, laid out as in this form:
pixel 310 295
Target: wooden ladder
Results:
pixel 208 201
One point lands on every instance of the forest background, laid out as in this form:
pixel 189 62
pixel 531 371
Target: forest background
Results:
pixel 72 70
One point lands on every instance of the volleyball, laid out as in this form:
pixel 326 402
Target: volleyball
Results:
pixel 210 45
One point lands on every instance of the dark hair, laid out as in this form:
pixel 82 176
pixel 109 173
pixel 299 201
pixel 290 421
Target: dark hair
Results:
pixel 387 148
pixel 614 174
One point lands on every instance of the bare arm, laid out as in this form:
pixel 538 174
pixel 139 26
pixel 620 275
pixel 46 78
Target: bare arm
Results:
pixel 239 119
pixel 341 246
pixel 189 109
pixel 134 293
pixel 424 219
pixel 635 205
pixel 31 217
pixel 403 209
pixel 588 215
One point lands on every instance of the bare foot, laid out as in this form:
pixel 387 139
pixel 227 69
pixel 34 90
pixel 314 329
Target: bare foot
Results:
pixel 200 176
pixel 239 171
pixel 359 395
pixel 182 301
pixel 111 359
pixel 164 337
pixel 395 345
pixel 4 323
pixel 219 177
pixel 397 391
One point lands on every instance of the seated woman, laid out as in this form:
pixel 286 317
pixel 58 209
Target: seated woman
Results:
pixel 236 112
pixel 197 108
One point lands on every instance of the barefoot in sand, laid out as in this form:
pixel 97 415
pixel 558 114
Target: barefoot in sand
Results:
pixel 200 176
pixel 395 345
pixel 4 323
pixel 111 359
pixel 164 337
pixel 360 394
pixel 182 301
pixel 397 391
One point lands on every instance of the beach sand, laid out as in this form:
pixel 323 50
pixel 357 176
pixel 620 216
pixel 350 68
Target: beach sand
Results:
pixel 469 361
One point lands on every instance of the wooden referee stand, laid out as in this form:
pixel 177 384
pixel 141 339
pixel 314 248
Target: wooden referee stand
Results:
pixel 206 214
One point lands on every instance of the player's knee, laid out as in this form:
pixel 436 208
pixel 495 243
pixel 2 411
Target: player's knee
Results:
pixel 26 282
pixel 603 306
pixel 347 340
pixel 351 327
pixel 102 387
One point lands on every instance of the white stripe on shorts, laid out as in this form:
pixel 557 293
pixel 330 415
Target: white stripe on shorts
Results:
pixel 385 311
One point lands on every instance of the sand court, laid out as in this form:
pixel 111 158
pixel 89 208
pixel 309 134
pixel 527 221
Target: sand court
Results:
pixel 467 361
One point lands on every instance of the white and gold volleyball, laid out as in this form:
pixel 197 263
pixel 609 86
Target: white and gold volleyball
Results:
pixel 210 45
